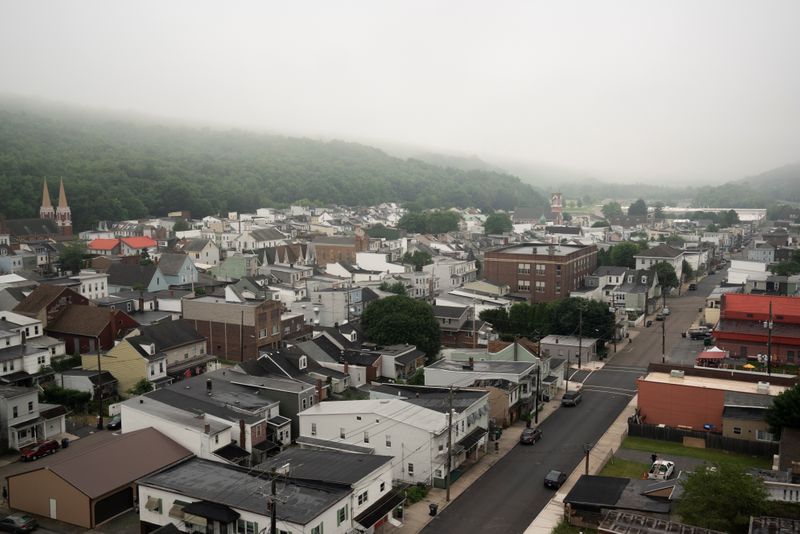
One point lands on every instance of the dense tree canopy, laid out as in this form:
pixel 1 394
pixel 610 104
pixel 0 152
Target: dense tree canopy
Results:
pixel 120 169
pixel 558 317
pixel 722 498
pixel 72 255
pixel 785 411
pixel 401 319
pixel 621 254
pixel 666 274
pixel 380 231
pixel 612 210
pixel 430 222
pixel 418 259
pixel 497 223
pixel 638 208
pixel 788 267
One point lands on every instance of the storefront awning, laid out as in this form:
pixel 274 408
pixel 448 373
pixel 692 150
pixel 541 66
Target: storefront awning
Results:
pixel 472 439
pixel 380 509
pixel 211 510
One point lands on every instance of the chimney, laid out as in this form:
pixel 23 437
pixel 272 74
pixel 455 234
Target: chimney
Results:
pixel 242 434
pixel 319 390
pixel 209 386
pixel 207 428
pixel 345 368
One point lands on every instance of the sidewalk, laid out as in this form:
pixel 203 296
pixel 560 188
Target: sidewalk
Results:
pixel 416 516
pixel 552 514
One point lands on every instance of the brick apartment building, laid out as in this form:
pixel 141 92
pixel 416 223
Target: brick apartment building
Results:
pixel 541 272
pixel 235 330
pixel 741 329
pixel 334 249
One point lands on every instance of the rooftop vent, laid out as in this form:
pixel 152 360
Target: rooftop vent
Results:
pixel 675 373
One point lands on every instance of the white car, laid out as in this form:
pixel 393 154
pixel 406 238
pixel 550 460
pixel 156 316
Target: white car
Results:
pixel 665 310
pixel 661 470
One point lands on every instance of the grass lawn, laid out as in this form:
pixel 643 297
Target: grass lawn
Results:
pixel 667 448
pixel 564 528
pixel 618 467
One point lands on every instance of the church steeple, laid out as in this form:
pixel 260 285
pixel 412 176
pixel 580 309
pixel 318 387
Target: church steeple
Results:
pixel 46 211
pixel 63 213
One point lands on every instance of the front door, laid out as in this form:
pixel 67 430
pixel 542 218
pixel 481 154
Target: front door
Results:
pixel 53 509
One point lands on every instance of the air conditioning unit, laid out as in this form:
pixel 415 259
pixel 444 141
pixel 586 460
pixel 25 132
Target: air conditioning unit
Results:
pixel 675 373
pixel 763 387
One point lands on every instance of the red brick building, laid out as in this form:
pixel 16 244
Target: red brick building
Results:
pixel 540 272
pixel 334 249
pixel 741 328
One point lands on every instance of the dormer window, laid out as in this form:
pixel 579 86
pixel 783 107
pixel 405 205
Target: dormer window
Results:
pixel 303 362
pixel 630 279
pixel 644 279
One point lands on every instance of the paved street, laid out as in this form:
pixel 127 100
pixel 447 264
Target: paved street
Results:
pixel 510 495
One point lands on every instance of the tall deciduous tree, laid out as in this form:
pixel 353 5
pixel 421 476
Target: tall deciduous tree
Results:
pixel 418 259
pixel 638 208
pixel 722 499
pixel 497 223
pixel 666 274
pixel 401 319
pixel 612 210
pixel 71 256
pixel 785 411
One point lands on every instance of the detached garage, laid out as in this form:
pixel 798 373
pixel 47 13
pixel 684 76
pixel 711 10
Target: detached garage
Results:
pixel 88 486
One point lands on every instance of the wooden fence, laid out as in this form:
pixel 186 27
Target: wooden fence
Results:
pixel 712 441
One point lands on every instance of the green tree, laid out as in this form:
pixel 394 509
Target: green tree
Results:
pixel 497 223
pixel 400 319
pixel 398 288
pixel 180 226
pixel 597 320
pixel 658 210
pixel 638 208
pixel 785 411
pixel 380 231
pixel 72 255
pixel 722 498
pixel 418 259
pixel 418 378
pixel 687 270
pixel 145 259
pixel 713 228
pixel 141 387
pixel 789 267
pixel 600 224
pixel 612 210
pixel 623 254
pixel 729 218
pixel 666 274
pixel 497 317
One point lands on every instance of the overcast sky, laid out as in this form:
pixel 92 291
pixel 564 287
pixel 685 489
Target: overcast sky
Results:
pixel 694 90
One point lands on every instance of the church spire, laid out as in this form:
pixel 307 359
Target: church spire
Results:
pixel 63 213
pixel 62 196
pixel 46 211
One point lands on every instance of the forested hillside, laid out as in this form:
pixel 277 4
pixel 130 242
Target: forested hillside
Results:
pixel 115 168
pixel 761 191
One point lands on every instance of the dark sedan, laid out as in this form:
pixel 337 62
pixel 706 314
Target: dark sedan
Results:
pixel 530 436
pixel 18 522
pixel 555 479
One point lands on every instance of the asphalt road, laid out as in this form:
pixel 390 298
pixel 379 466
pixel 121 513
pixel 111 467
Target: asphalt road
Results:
pixel 511 494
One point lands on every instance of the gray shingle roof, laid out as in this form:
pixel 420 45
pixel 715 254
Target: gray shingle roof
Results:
pixel 171 264
pixel 326 466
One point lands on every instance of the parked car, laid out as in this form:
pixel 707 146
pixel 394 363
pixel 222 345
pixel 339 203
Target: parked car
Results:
pixel 665 311
pixel 571 398
pixel 692 287
pixel 530 436
pixel 649 323
pixel 659 316
pixel 18 522
pixel 42 448
pixel 554 479
pixel 115 423
pixel 661 470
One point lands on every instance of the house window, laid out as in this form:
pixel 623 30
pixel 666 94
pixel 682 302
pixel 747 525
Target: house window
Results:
pixel 383 487
pixel 366 436
pixel 302 363
pixel 14 412
pixel 341 432
pixel 36 330
pixel 41 360
pixel 341 515
pixel 790 356
pixel 523 285
pixel 160 367
pixel 410 469
pixel 30 406
pixel 540 287
pixel 737 430
pixel 523 268
pixel 763 435
pixel 304 403
pixel 313 429
pixel 388 440
pixel 364 497
pixel 541 269
pixel 246 527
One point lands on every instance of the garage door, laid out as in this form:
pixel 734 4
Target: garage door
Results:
pixel 114 504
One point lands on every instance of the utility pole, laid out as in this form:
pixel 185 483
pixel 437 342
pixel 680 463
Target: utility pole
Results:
pixel 663 327
pixel 273 508
pixel 536 402
pixel 768 325
pixel 449 438
pixel 580 334
pixel 587 447
pixel 99 389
